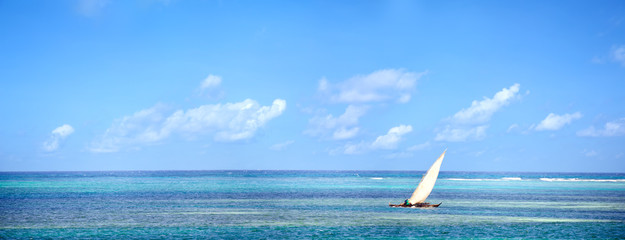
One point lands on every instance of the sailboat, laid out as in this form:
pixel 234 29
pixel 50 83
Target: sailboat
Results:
pixel 417 200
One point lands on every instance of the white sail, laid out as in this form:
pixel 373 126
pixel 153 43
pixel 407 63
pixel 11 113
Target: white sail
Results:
pixel 427 182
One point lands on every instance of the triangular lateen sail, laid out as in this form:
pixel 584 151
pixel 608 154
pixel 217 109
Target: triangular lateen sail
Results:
pixel 427 182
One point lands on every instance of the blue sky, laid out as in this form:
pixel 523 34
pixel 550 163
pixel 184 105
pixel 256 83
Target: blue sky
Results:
pixel 328 85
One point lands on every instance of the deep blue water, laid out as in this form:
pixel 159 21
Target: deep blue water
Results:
pixel 308 204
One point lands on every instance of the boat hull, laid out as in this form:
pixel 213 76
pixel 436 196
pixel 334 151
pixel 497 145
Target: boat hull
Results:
pixel 418 205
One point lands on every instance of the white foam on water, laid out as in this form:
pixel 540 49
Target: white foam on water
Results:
pixel 541 179
pixel 377 178
pixel 216 213
pixel 485 179
pixel 512 179
pixel 464 179
pixel 580 180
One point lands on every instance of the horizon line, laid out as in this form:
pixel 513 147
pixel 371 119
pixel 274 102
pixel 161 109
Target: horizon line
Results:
pixel 286 170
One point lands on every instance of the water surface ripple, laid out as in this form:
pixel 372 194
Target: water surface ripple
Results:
pixel 308 204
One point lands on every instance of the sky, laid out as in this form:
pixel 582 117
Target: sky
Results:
pixel 530 86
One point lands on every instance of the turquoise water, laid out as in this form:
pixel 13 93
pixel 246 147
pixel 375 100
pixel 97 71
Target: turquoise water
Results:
pixel 308 204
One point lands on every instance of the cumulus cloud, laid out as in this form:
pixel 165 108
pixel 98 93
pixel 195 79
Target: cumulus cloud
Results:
pixel 58 134
pixel 382 86
pixel 618 54
pixel 225 122
pixel 344 133
pixel 140 128
pixel 210 82
pixel 209 87
pixel 610 129
pixel 470 123
pixel 379 86
pixel 341 127
pixel 481 112
pixel 554 122
pixel 390 140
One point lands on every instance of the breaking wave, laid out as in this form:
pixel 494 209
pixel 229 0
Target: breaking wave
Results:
pixel 580 180
pixel 541 179
pixel 486 179
pixel 512 178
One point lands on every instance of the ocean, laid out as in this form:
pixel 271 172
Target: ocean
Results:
pixel 308 204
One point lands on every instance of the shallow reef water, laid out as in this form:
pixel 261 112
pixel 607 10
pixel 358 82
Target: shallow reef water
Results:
pixel 308 204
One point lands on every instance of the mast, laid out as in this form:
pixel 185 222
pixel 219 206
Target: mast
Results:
pixel 427 182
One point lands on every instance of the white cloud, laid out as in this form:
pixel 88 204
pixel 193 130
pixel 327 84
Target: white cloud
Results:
pixel 281 146
pixel 481 112
pixel 379 86
pixel 342 127
pixel 382 86
pixel 512 127
pixel 210 82
pixel 225 122
pixel 613 128
pixel 554 122
pixel 141 127
pixel 209 87
pixel 58 134
pixel 470 123
pixel 390 140
pixel 344 133
pixel 461 134
pixel 63 131
pixel 618 54
pixel 231 121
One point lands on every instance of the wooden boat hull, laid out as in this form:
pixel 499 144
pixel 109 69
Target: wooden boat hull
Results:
pixel 418 205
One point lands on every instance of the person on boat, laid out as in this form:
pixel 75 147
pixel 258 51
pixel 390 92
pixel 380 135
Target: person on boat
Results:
pixel 406 202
